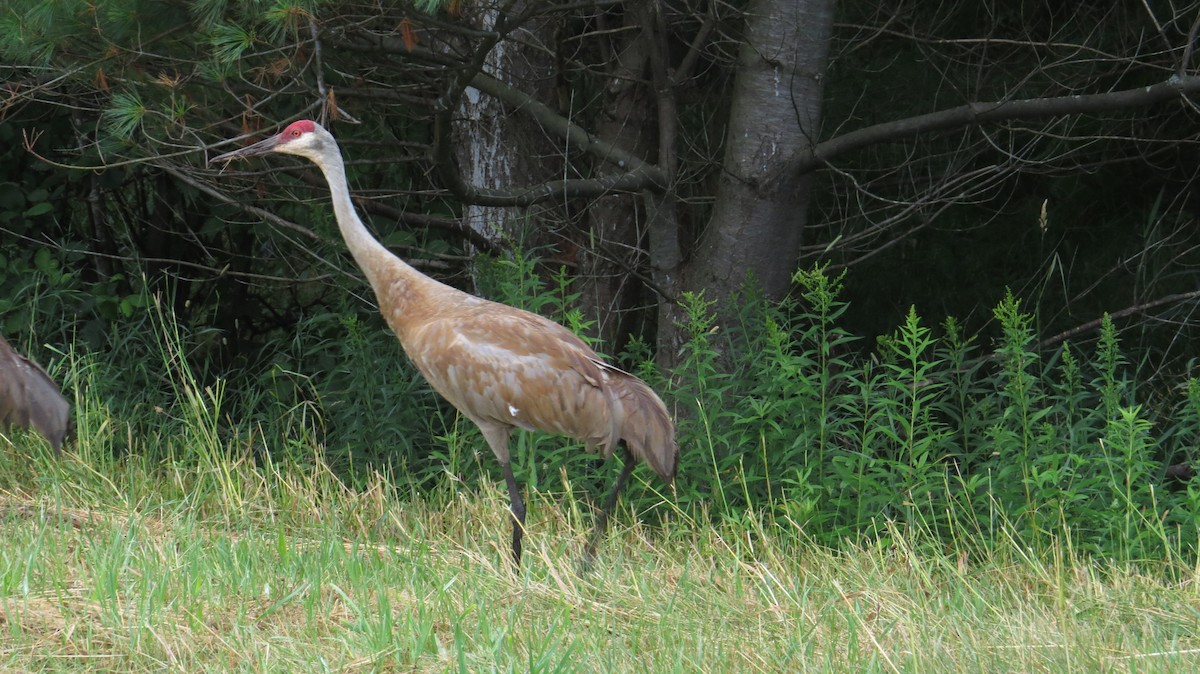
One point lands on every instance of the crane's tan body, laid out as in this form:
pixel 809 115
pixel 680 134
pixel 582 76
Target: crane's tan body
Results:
pixel 505 368
pixel 502 367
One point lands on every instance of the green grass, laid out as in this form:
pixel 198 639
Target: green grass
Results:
pixel 230 565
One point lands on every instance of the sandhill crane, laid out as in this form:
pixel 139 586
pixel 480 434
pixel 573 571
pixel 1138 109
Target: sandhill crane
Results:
pixel 503 368
pixel 29 398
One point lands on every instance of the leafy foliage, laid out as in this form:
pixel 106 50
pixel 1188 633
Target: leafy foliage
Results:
pixel 778 421
pixel 927 433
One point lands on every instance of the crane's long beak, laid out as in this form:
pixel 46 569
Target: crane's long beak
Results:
pixel 261 147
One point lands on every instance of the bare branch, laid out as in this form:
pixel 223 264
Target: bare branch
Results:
pixel 578 137
pixel 253 210
pixel 974 114
pixel 1122 313
pixel 640 175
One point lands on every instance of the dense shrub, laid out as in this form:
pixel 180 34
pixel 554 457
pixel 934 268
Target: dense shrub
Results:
pixel 783 416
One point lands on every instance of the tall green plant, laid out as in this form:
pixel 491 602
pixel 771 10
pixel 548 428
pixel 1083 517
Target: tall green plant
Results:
pixel 917 439
pixel 963 402
pixel 1109 382
pixel 1128 448
pixel 1016 436
pixel 702 388
pixel 828 345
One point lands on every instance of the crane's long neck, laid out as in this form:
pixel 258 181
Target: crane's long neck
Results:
pixel 388 274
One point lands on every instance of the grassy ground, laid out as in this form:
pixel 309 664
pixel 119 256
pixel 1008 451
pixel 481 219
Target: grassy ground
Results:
pixel 229 566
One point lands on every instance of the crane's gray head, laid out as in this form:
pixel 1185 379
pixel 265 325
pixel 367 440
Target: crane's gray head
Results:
pixel 305 138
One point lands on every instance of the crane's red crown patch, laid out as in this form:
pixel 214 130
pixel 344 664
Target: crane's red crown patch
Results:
pixel 297 129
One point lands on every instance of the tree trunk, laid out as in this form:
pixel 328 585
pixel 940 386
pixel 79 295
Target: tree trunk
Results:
pixel 756 225
pixel 494 148
pixel 608 291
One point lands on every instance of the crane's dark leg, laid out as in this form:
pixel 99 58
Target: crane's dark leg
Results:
pixel 610 502
pixel 517 508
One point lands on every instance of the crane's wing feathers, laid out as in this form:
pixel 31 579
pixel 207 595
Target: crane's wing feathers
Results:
pixel 504 367
pixel 30 398
pixel 500 365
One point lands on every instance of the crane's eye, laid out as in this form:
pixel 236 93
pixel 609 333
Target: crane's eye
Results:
pixel 295 133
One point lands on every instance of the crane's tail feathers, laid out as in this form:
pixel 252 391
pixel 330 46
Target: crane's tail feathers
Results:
pixel 645 425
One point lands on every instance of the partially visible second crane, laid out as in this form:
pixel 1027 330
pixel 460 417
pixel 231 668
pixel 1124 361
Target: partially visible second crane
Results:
pixel 29 398
pixel 502 367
